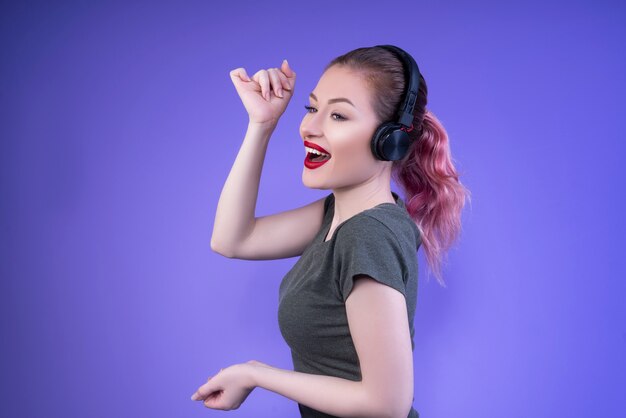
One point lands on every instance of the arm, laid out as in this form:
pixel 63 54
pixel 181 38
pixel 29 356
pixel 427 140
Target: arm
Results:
pixel 379 325
pixel 237 233
pixel 234 217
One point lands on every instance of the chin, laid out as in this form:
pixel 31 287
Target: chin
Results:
pixel 310 183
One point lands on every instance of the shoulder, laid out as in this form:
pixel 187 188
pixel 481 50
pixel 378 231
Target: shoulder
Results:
pixel 387 222
pixel 364 226
pixel 367 245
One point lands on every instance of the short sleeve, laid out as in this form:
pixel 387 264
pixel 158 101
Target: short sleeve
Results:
pixel 365 245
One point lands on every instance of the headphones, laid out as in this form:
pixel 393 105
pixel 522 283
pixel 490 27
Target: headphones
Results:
pixel 391 139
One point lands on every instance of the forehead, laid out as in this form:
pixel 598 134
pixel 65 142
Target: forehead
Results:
pixel 339 81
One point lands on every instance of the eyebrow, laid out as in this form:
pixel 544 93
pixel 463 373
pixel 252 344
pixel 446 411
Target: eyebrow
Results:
pixel 331 101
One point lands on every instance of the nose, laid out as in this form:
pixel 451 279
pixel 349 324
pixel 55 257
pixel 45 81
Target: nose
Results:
pixel 309 127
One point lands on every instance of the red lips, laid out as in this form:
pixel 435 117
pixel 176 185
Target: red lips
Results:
pixel 315 146
pixel 314 164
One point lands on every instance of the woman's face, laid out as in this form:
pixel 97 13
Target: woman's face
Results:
pixel 343 129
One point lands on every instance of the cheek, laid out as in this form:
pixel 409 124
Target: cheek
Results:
pixel 353 156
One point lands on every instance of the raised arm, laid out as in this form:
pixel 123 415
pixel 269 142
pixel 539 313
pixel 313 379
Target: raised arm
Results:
pixel 237 233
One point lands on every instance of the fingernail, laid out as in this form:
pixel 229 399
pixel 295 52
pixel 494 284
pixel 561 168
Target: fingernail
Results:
pixel 194 397
pixel 280 93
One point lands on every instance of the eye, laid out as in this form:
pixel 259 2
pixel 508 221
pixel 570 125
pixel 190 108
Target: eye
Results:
pixel 311 109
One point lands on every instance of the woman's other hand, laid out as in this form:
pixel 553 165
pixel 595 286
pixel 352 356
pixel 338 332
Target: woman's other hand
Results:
pixel 265 95
pixel 228 389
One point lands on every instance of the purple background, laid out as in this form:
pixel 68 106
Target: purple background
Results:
pixel 118 127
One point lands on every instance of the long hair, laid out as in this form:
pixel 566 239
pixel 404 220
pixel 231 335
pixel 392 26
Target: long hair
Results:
pixel 434 196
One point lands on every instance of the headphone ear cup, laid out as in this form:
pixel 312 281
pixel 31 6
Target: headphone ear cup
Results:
pixel 378 140
pixel 396 145
pixel 389 142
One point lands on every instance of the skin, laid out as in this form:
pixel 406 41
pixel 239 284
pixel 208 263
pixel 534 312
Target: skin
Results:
pixel 357 179
pixel 377 314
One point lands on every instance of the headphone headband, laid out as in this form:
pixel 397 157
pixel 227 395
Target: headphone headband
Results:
pixel 412 78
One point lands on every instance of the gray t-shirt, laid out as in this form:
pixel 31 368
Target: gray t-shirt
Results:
pixel 381 242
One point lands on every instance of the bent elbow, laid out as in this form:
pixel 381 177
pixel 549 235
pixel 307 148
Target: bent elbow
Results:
pixel 404 412
pixel 391 408
pixel 403 407
pixel 394 413
pixel 217 248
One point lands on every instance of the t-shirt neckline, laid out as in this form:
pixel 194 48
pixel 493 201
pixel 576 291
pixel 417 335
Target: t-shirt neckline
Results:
pixel 326 230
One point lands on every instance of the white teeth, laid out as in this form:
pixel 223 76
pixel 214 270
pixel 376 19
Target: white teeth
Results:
pixel 314 151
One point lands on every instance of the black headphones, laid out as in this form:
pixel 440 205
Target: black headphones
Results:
pixel 391 139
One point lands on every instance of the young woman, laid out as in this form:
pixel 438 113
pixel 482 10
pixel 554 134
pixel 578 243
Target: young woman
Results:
pixel 346 308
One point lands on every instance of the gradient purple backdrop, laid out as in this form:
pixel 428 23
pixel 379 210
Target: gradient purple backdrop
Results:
pixel 118 127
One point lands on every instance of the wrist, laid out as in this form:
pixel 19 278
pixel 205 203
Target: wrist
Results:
pixel 255 369
pixel 267 125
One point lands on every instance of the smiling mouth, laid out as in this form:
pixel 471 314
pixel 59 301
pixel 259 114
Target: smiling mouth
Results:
pixel 316 156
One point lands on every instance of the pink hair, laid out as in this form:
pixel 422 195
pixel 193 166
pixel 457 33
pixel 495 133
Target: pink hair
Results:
pixel 434 196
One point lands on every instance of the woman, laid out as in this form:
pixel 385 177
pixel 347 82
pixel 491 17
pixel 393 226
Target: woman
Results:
pixel 346 308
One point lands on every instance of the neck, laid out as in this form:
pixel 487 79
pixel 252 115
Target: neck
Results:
pixel 354 199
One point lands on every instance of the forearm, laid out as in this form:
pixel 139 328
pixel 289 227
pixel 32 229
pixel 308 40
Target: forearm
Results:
pixel 235 214
pixel 328 394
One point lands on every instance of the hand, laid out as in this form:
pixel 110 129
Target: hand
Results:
pixel 265 95
pixel 227 389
